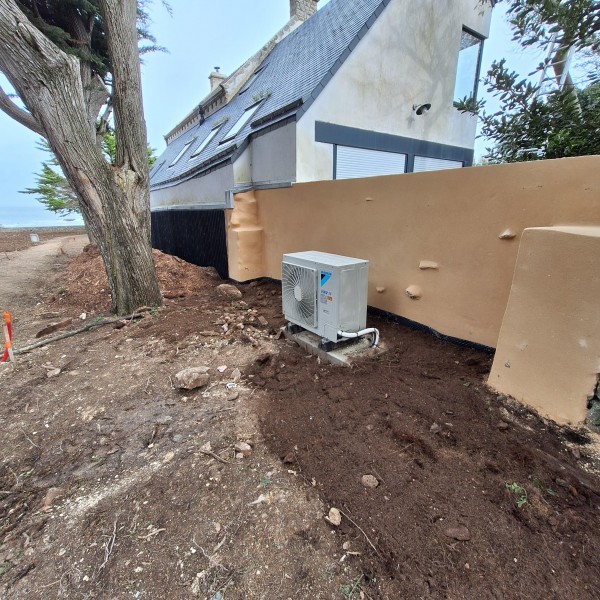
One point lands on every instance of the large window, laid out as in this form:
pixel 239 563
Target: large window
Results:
pixel 469 62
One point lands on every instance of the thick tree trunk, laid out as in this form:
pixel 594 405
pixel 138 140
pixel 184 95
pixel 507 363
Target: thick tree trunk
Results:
pixel 114 198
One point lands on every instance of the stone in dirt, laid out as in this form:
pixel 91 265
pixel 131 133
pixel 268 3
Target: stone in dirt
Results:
pixel 244 448
pixel 502 425
pixel 334 517
pixel 435 428
pixel 191 378
pixel 236 374
pixel 460 533
pixel 369 481
pixel 53 494
pixel 228 291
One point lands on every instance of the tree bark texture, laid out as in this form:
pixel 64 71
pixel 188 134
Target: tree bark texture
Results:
pixel 114 198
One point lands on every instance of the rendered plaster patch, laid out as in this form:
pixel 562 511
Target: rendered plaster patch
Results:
pixel 414 292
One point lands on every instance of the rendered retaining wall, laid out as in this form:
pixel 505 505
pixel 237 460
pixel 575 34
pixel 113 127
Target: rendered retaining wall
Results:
pixel 443 248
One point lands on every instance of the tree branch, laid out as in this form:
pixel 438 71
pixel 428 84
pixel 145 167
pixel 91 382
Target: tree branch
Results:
pixel 18 114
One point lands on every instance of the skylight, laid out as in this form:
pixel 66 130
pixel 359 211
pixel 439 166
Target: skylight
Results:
pixel 182 152
pixel 241 122
pixel 207 140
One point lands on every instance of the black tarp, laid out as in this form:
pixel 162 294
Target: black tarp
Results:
pixel 196 236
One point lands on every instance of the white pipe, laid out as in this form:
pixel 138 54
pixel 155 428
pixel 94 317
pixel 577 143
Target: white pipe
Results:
pixel 375 332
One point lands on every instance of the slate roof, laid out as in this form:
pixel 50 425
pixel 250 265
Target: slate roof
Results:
pixel 292 76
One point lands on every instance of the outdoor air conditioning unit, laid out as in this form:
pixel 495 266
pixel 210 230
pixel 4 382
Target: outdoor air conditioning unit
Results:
pixel 326 294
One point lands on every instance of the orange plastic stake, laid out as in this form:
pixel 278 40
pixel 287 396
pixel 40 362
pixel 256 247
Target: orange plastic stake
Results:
pixel 7 329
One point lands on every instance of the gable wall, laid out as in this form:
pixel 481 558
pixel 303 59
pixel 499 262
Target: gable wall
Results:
pixel 409 56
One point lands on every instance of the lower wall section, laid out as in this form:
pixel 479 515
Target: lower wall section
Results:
pixel 197 236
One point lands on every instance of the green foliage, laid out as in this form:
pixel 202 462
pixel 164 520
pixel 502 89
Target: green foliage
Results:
pixel 528 127
pixel 532 125
pixel 519 492
pixel 540 486
pixel 77 28
pixel 51 188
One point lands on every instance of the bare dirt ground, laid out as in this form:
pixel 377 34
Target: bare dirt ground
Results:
pixel 15 239
pixel 113 484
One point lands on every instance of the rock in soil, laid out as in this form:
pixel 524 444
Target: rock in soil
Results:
pixel 191 378
pixel 228 291
pixel 334 517
pixel 244 448
pixel 460 533
pixel 370 481
pixel 53 494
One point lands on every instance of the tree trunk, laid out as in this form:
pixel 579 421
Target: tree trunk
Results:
pixel 114 199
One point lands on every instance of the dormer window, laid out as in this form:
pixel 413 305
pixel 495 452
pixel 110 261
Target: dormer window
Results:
pixel 182 152
pixel 207 140
pixel 241 122
pixel 469 64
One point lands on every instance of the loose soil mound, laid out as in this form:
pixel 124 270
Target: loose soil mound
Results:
pixel 86 286
pixel 477 498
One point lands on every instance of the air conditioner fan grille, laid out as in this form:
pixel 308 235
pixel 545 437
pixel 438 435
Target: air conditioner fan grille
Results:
pixel 299 290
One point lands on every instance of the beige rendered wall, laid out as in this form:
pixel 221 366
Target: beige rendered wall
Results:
pixel 409 56
pixel 548 353
pixel 467 221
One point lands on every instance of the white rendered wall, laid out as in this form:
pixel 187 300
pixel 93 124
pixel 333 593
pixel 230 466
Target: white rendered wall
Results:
pixel 409 56
pixel 208 189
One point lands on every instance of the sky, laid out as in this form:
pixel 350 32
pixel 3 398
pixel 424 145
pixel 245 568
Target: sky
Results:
pixel 199 36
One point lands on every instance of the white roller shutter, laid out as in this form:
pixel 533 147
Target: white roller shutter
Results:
pixel 424 163
pixel 360 162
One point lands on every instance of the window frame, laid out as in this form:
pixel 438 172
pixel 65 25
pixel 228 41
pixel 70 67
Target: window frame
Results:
pixel 241 122
pixel 180 154
pixel 206 141
pixel 481 39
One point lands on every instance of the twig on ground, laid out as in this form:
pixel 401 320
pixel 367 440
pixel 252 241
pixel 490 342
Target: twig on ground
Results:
pixel 362 531
pixel 67 334
pixel 29 439
pixel 215 456
pixel 108 546
pixel 151 534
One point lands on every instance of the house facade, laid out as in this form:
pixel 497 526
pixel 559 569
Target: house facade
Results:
pixel 355 89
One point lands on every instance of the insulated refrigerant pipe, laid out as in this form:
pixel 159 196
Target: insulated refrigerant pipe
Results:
pixel 370 330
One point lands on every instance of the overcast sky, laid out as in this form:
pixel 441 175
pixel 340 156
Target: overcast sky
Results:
pixel 199 36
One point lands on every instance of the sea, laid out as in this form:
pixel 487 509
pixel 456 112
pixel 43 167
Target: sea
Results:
pixel 30 213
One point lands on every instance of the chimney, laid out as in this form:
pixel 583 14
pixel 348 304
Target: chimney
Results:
pixel 216 78
pixel 302 9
